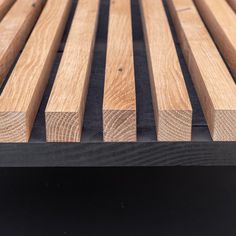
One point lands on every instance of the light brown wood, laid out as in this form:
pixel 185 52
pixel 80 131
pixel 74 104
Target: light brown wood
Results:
pixel 213 82
pixel 65 109
pixel 22 95
pixel 5 5
pixel 221 22
pixel 15 29
pixel 232 3
pixel 119 105
pixel 172 107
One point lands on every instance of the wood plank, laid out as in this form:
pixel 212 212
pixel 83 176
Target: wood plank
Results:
pixel 213 82
pixel 119 105
pixel 172 107
pixel 5 5
pixel 232 3
pixel 15 29
pixel 65 109
pixel 142 154
pixel 221 22
pixel 22 95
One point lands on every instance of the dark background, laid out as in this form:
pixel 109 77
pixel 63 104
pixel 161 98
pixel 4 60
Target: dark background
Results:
pixel 118 201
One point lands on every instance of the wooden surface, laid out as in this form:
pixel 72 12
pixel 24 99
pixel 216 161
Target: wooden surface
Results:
pixel 22 95
pixel 232 3
pixel 173 111
pixel 92 151
pixel 119 107
pixel 221 22
pixel 213 82
pixel 65 110
pixel 5 5
pixel 15 29
pixel 118 154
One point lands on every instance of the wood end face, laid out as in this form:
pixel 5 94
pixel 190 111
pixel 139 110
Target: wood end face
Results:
pixel 63 127
pixel 13 127
pixel 174 126
pixel 224 128
pixel 119 126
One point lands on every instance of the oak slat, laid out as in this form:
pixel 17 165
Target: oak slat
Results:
pixel 173 111
pixel 221 22
pixel 232 3
pixel 213 82
pixel 119 105
pixel 5 5
pixel 65 109
pixel 15 29
pixel 22 95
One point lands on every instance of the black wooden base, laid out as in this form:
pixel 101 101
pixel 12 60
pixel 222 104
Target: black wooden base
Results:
pixel 118 154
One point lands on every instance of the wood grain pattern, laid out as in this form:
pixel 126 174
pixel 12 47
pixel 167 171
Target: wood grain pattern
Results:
pixel 5 5
pixel 15 29
pixel 118 154
pixel 221 22
pixel 65 109
pixel 173 112
pixel 119 105
pixel 232 3
pixel 22 95
pixel 213 82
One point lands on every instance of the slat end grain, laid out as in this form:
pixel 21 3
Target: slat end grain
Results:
pixel 119 126
pixel 65 109
pixel 63 126
pixel 225 125
pixel 24 89
pixel 213 82
pixel 13 127
pixel 174 125
pixel 171 103
pixel 119 104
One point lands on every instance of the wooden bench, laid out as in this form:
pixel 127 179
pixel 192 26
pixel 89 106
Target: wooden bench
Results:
pixel 139 83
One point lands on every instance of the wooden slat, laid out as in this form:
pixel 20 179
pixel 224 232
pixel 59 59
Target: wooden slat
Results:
pixel 22 95
pixel 15 29
pixel 173 112
pixel 65 109
pixel 232 3
pixel 221 22
pixel 119 105
pixel 213 82
pixel 5 5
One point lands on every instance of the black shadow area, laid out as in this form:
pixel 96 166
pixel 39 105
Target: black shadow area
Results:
pixel 117 201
